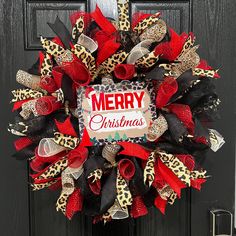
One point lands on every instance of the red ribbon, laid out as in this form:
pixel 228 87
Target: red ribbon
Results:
pixel 138 207
pixel 170 50
pixel 102 21
pixel 134 150
pixel 160 204
pixel 77 71
pixel 22 143
pixel 74 203
pixel 183 112
pixel 66 127
pixel 38 163
pixel 46 105
pixel 197 183
pixel 165 91
pixel 17 105
pixel 124 71
pixel 175 183
pixel 48 84
pixel 126 168
pixel 109 48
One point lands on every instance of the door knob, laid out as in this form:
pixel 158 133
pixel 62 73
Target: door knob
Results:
pixel 221 223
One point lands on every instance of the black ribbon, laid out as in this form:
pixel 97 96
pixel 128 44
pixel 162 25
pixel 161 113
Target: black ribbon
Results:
pixel 200 90
pixel 61 31
pixel 108 195
pixel 184 82
pixel 136 184
pixel 175 126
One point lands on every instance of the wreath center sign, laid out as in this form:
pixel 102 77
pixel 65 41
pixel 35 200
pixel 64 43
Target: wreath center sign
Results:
pixel 115 114
pixel 119 112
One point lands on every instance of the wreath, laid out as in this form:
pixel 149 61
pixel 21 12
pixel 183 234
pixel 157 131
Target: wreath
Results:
pixel 116 115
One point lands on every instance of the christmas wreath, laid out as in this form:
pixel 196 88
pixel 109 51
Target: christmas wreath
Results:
pixel 115 114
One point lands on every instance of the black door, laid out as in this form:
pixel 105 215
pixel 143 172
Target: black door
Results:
pixel 26 213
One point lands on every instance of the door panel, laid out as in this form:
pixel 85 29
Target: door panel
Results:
pixel 212 24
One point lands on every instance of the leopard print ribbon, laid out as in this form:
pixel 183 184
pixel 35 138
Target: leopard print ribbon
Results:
pixel 95 175
pixel 46 67
pixel 123 15
pixel 109 65
pixel 124 196
pixel 66 140
pixel 177 167
pixel 55 169
pixel 78 28
pixel 146 23
pixel 68 187
pixel 149 171
pixel 52 48
pixel 206 73
pixel 36 187
pixel 147 61
pixel 188 44
pixel 23 94
pixel 86 57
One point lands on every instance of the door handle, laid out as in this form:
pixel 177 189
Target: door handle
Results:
pixel 221 223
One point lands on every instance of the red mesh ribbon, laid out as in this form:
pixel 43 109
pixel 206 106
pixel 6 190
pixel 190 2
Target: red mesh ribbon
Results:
pixel 46 105
pixel 187 160
pixel 160 204
pixel 170 50
pixel 66 127
pixel 138 207
pixel 183 112
pixel 126 168
pixel 17 105
pixel 74 203
pixel 197 183
pixel 48 84
pixel 77 156
pixel 22 143
pixel 77 71
pixel 165 91
pixel 86 17
pixel 124 71
pixel 134 150
pixel 102 21
pixel 137 17
pixel 175 183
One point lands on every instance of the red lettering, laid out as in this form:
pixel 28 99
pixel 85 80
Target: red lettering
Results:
pixel 99 104
pixel 129 100
pixel 109 101
pixel 139 98
pixel 119 101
